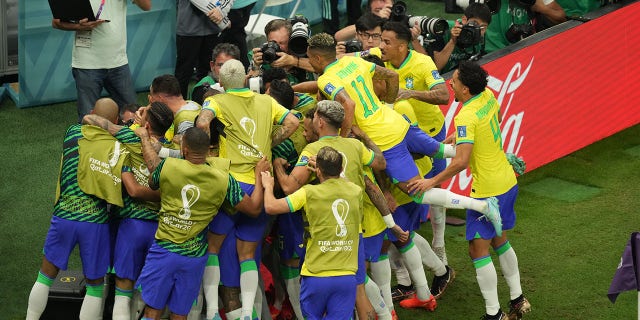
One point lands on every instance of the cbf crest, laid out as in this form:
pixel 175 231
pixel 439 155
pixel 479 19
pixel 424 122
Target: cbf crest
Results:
pixel 408 82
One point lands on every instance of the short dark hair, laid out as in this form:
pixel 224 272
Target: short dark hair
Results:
pixel 311 113
pixel 196 140
pixel 131 107
pixel 329 161
pixel 271 74
pixel 167 84
pixel 160 117
pixel 479 11
pixel 473 76
pixel 374 59
pixel 226 48
pixel 283 93
pixel 277 24
pixel 368 21
pixel 401 29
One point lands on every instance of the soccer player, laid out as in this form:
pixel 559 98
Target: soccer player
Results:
pixel 249 119
pixel 141 204
pixel 423 87
pixel 479 146
pixel 78 218
pixel 192 190
pixel 333 210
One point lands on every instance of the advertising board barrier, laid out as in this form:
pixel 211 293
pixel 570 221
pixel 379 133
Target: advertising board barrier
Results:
pixel 565 92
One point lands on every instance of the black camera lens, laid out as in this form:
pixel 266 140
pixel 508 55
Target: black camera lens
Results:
pixel 470 35
pixel 399 9
pixel 518 32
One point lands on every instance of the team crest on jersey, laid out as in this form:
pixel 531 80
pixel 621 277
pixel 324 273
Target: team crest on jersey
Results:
pixel 462 131
pixel 435 74
pixel 409 82
pixel 329 88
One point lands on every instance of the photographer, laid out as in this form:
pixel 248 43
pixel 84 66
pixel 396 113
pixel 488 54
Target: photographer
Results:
pixel 514 21
pixel 368 34
pixel 380 8
pixel 279 33
pixel 448 51
pixel 221 54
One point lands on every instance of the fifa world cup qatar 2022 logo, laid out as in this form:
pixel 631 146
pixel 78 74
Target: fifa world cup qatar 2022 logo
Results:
pixel 505 91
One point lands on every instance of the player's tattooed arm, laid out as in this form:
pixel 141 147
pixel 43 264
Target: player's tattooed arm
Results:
pixel 289 125
pixel 204 120
pixel 149 154
pixel 349 111
pixel 439 94
pixel 390 77
pixel 98 121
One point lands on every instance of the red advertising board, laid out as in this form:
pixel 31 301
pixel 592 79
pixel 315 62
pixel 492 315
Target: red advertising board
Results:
pixel 565 92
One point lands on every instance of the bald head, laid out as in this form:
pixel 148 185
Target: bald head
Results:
pixel 106 108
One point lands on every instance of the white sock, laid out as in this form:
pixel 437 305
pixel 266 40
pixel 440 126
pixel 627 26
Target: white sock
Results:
pixel 210 282
pixel 122 306
pixel 38 299
pixel 429 258
pixel 234 315
pixel 510 270
pixel 91 308
pixel 488 282
pixel 293 289
pixel 375 297
pixel 381 274
pixel 448 199
pixel 438 219
pixel 412 261
pixel 248 286
pixel 397 264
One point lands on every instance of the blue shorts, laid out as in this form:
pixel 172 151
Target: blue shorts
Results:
pixel 92 238
pixel 438 164
pixel 244 227
pixel 135 237
pixel 229 264
pixel 407 217
pixel 400 164
pixel 327 297
pixel 171 279
pixel 290 232
pixel 420 142
pixel 372 246
pixel 361 273
pixel 482 228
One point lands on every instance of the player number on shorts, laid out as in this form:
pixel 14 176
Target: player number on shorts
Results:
pixel 361 84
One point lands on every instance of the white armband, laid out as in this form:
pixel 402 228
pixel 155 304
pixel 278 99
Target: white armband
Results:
pixel 164 153
pixel 388 220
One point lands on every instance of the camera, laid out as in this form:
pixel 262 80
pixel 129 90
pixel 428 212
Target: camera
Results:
pixel 352 46
pixel 435 26
pixel 269 50
pixel 299 34
pixel 470 35
pixel 518 32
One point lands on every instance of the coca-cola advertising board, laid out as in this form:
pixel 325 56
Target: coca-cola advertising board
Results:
pixel 565 92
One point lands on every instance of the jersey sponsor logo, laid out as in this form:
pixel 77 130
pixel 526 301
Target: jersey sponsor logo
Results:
pixel 329 88
pixel 304 160
pixel 190 195
pixel 205 103
pixel 340 209
pixel 462 131
pixel 365 53
pixel 344 164
pixel 436 75
pixel 409 82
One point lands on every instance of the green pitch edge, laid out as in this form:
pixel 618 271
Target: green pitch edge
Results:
pixel 634 151
pixel 563 190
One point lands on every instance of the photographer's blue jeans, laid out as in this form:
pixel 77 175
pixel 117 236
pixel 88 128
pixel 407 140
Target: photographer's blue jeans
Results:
pixel 90 82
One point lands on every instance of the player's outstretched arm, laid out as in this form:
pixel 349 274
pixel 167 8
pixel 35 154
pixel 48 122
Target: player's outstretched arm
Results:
pixel 349 111
pixel 98 121
pixel 204 120
pixel 289 125
pixel 252 205
pixel 138 191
